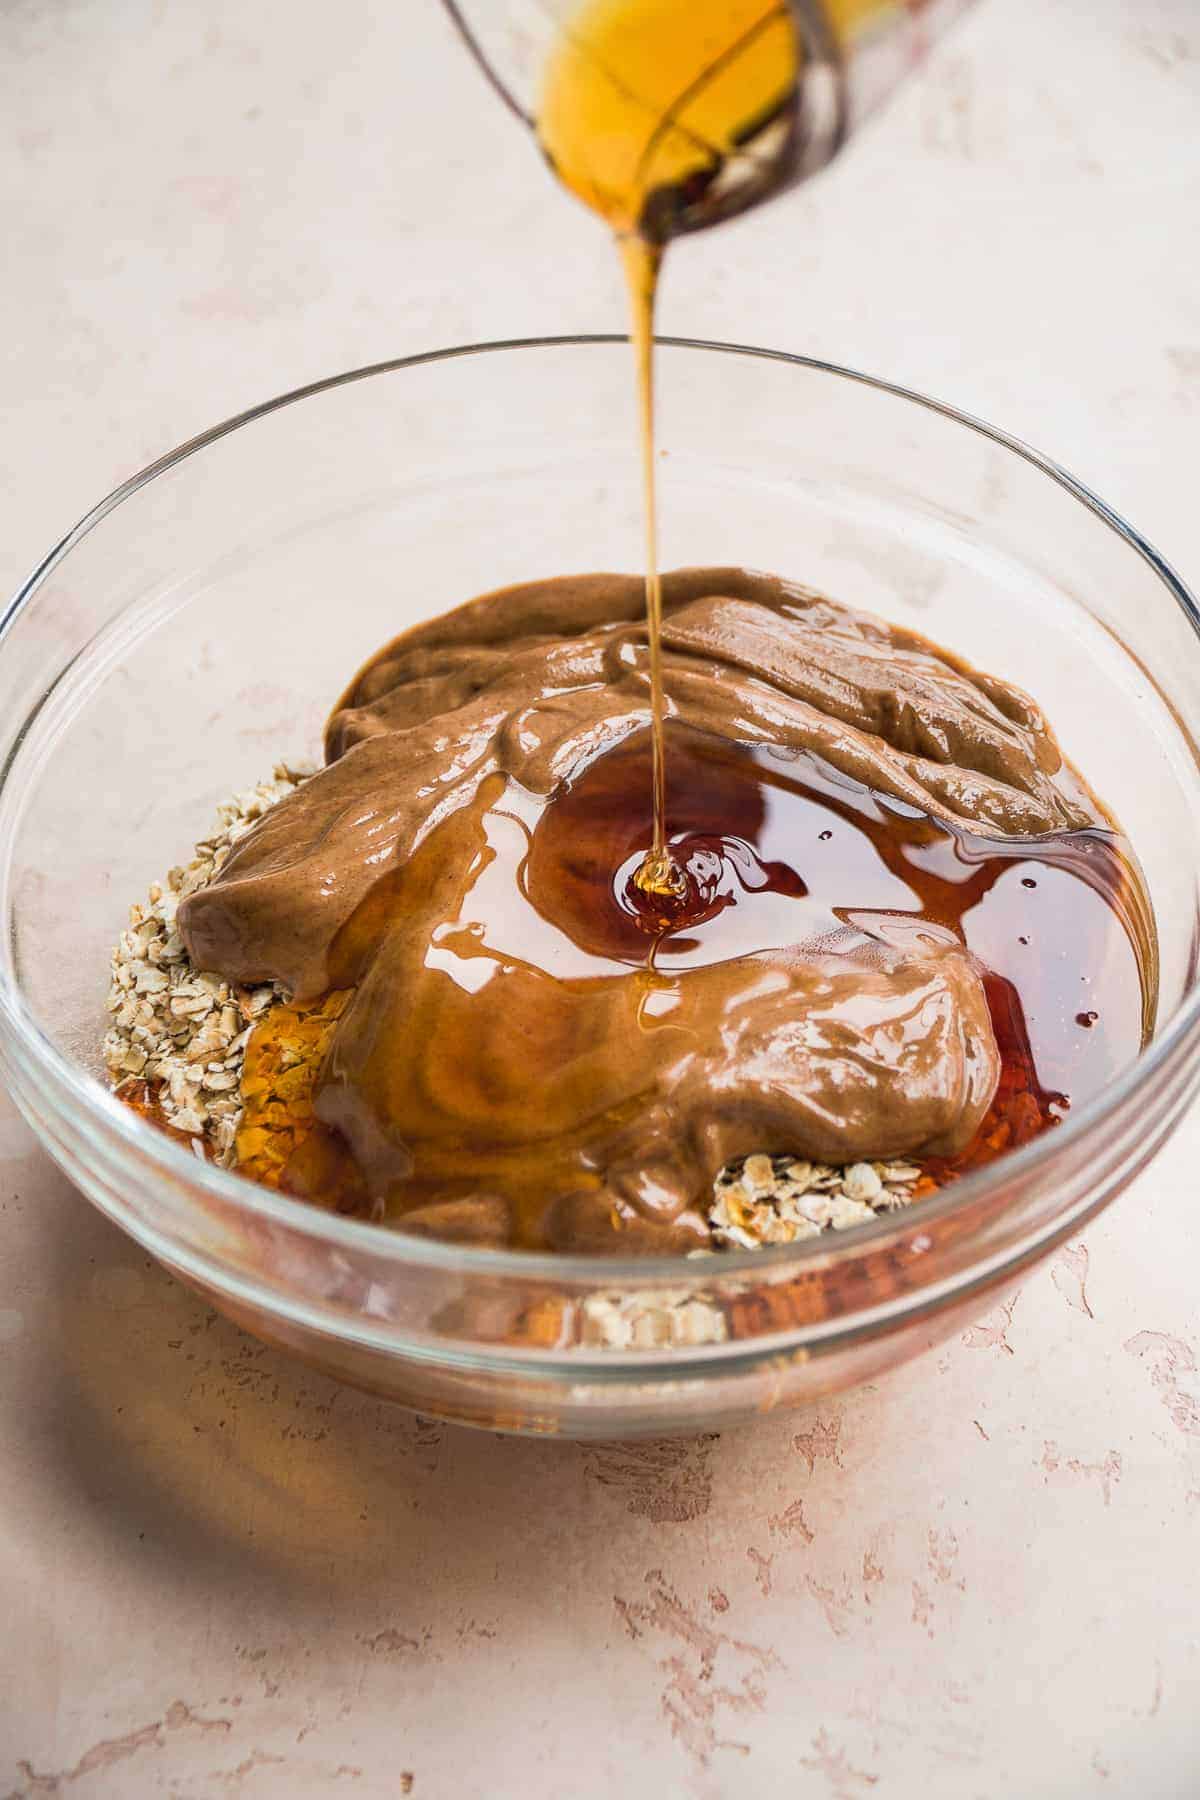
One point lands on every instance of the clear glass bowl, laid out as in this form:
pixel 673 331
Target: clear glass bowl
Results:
pixel 197 625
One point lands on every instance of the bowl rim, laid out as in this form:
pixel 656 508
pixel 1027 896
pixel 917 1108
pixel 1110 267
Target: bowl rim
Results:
pixel 106 1113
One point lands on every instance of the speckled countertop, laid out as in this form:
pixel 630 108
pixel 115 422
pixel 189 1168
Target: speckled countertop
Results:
pixel 222 1576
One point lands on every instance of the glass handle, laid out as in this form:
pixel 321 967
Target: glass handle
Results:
pixel 495 40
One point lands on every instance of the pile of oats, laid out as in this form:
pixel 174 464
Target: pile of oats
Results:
pixel 778 1199
pixel 174 1028
pixel 178 1036
pixel 663 1319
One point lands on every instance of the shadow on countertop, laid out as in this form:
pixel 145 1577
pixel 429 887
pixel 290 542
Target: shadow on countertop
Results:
pixel 208 1460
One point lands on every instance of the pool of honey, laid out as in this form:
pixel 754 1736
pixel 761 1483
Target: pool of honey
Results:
pixel 777 849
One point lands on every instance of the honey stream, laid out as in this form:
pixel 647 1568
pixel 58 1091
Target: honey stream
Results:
pixel 649 109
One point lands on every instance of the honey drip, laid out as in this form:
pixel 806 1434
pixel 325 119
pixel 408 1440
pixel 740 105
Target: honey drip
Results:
pixel 647 107
pixel 658 874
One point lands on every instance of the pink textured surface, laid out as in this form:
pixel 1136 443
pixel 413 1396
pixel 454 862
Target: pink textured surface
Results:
pixel 221 1575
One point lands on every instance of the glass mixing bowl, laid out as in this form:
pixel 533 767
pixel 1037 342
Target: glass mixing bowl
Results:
pixel 197 625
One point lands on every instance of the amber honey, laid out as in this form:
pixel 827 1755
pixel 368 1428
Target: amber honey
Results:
pixel 647 103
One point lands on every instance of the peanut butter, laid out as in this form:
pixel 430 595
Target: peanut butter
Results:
pixel 536 1051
